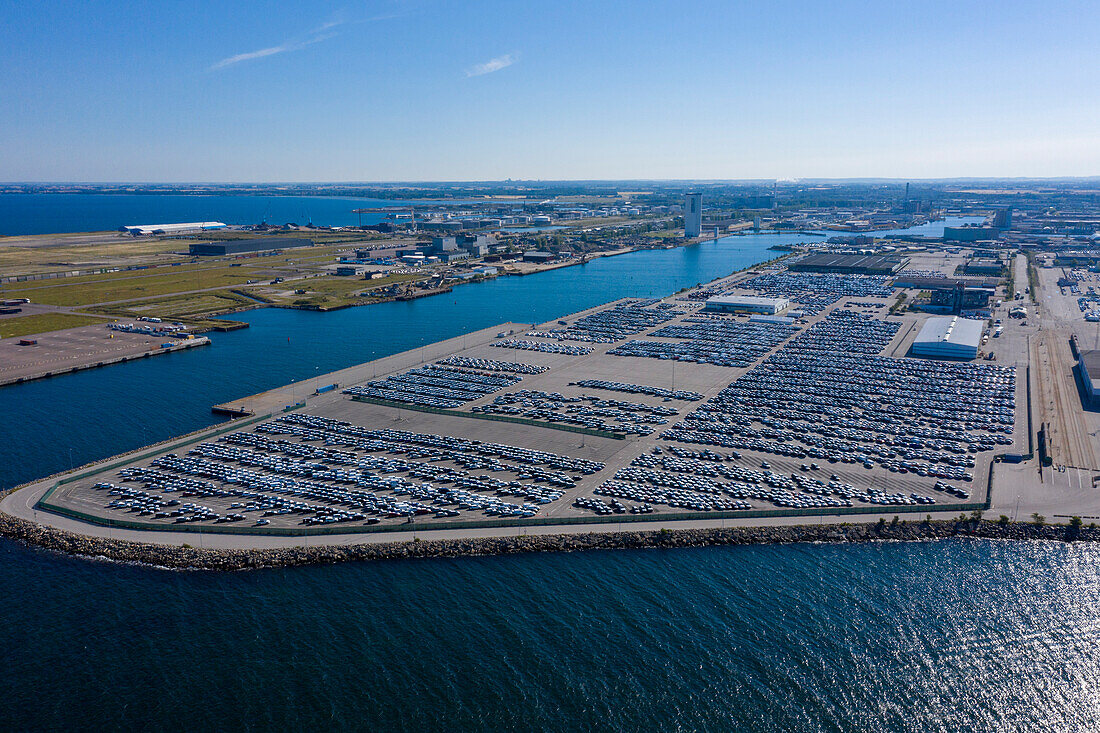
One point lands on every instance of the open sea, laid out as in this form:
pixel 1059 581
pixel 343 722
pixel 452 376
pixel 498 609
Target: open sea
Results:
pixel 49 213
pixel 938 636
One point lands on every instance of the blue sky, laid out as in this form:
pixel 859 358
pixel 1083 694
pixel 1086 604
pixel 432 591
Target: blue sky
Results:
pixel 432 90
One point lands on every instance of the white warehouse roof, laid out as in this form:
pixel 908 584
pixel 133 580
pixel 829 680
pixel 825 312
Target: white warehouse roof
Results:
pixel 172 228
pixel 748 302
pixel 949 336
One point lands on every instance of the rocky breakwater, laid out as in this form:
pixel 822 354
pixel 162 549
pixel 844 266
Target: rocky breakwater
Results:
pixel 173 556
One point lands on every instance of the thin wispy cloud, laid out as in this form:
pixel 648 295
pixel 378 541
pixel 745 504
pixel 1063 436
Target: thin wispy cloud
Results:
pixel 317 35
pixel 272 51
pixel 500 62
pixel 336 20
pixel 249 56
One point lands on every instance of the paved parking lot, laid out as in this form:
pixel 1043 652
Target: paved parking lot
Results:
pixel 60 351
pixel 338 460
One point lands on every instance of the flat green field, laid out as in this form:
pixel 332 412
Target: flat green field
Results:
pixel 129 285
pixel 42 323
pixel 327 292
pixel 185 307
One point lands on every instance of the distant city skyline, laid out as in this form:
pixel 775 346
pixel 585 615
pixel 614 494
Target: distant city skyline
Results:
pixel 434 91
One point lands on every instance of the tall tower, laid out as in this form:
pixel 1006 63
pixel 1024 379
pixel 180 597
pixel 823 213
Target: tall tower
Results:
pixel 693 214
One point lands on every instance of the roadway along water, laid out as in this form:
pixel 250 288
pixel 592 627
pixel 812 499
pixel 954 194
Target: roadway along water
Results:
pixel 946 636
pixel 97 413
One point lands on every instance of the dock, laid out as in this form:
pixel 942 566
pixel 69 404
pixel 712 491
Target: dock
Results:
pixel 299 393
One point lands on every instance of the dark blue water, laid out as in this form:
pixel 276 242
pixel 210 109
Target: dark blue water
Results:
pixel 949 636
pixel 77 418
pixel 942 636
pixel 47 213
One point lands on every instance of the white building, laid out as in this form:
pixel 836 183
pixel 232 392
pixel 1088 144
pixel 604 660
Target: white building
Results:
pixel 948 337
pixel 746 304
pixel 194 226
pixel 693 214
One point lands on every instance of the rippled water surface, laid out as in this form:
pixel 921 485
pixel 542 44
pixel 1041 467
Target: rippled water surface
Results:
pixel 944 636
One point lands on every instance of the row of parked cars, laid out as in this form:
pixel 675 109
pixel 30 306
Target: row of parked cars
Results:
pixel 435 385
pixel 666 394
pixel 492 365
pixel 336 432
pixel 612 324
pixel 630 418
pixel 710 341
pixel 828 394
pixel 326 471
pixel 544 347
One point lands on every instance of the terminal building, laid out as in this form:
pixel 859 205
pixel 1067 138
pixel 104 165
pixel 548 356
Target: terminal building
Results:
pixel 948 337
pixel 1088 371
pixel 240 246
pixel 746 304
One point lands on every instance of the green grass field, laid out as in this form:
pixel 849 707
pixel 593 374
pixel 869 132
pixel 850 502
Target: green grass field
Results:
pixel 43 323
pixel 328 292
pixel 187 307
pixel 129 285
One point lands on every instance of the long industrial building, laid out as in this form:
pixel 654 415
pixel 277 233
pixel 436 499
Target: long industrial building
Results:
pixel 948 337
pixel 746 304
pixel 194 226
pixel 239 246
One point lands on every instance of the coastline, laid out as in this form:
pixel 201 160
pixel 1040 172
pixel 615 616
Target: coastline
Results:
pixel 192 558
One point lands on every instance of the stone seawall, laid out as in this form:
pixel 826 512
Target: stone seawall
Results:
pixel 203 559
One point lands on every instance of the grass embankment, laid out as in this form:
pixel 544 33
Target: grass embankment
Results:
pixel 190 307
pixel 131 284
pixel 331 291
pixel 52 253
pixel 43 323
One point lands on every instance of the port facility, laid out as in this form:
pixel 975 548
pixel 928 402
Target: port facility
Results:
pixel 562 443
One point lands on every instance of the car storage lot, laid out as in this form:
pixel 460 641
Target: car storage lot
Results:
pixel 326 473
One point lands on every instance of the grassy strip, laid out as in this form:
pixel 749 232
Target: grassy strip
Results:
pixel 129 285
pixel 494 418
pixel 188 307
pixel 43 323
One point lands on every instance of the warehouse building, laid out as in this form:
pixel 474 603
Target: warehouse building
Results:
pixel 240 246
pixel 195 226
pixel 849 264
pixel 984 266
pixel 1088 371
pixel 746 304
pixel 538 256
pixel 948 337
pixel 969 234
